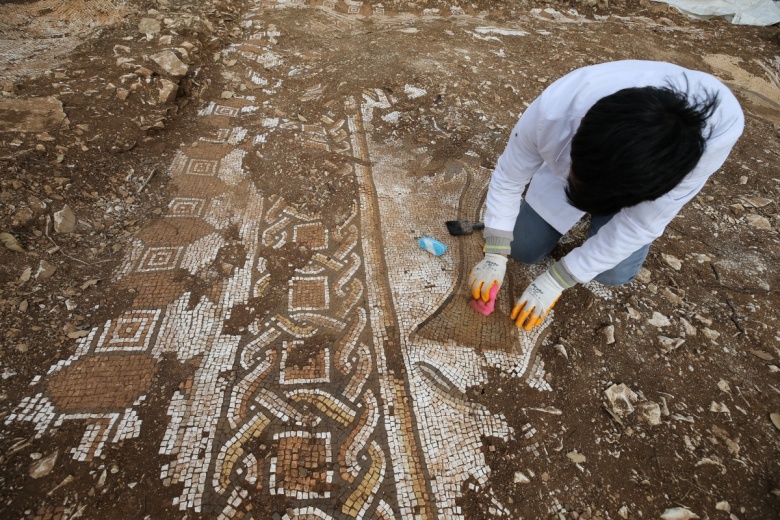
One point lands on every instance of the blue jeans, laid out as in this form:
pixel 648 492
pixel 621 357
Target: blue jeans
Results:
pixel 534 239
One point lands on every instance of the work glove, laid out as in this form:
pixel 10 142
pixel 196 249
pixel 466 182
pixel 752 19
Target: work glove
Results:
pixel 537 300
pixel 487 273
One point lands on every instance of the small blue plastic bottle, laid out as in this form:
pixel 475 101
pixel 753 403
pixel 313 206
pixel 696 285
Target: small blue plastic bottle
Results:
pixel 432 245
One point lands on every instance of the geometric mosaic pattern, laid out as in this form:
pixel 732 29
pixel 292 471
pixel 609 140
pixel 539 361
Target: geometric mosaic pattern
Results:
pixel 131 331
pixel 351 401
pixel 186 207
pixel 160 259
pixel 299 468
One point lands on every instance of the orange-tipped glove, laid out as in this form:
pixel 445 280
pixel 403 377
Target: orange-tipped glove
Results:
pixel 489 272
pixel 540 296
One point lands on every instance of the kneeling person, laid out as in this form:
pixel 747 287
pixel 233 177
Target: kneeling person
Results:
pixel 630 143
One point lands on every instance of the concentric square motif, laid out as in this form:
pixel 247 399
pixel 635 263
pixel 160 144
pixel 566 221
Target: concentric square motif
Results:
pixel 220 136
pixel 161 258
pixel 309 294
pixel 301 466
pixel 304 362
pixel 312 235
pixel 202 167
pixel 184 207
pixel 222 110
pixel 132 331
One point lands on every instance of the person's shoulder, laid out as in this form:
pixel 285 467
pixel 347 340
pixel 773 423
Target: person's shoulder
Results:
pixel 624 68
pixel 728 113
pixel 575 92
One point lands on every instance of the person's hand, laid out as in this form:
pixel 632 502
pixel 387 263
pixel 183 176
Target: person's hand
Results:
pixel 485 308
pixel 489 272
pixel 536 301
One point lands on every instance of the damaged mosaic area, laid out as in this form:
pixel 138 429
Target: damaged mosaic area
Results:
pixel 36 35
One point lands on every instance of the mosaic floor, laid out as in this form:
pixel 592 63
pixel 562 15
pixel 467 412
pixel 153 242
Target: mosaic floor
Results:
pixel 350 401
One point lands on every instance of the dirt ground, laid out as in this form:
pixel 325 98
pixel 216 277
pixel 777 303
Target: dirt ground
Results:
pixel 689 351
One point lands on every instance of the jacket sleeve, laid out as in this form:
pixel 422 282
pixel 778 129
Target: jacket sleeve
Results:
pixel 514 169
pixel 629 230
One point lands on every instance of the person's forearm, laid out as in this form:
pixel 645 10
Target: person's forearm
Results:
pixel 497 241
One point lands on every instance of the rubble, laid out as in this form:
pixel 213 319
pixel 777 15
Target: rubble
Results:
pixel 65 220
pixel 757 202
pixel 43 466
pixel 10 242
pixel 670 344
pixel 521 478
pixel 763 355
pixel 170 64
pixel 168 90
pixel 679 513
pixel 644 275
pixel 621 399
pixel 775 418
pixel 609 334
pixel 577 458
pixel 710 334
pixel 149 26
pixel 672 261
pixel 758 222
pixel 687 327
pixel 22 217
pixel 649 412
pixel 659 320
pixel 719 408
pixel 45 271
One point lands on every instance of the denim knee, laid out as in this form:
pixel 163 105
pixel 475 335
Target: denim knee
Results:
pixel 528 256
pixel 615 278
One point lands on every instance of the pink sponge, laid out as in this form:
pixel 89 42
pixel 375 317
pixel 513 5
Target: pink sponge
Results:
pixel 486 308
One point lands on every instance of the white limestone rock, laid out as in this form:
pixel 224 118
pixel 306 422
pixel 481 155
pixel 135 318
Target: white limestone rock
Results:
pixel 621 399
pixel 649 412
pixel 168 90
pixel 672 261
pixel 659 320
pixel 65 220
pixel 170 64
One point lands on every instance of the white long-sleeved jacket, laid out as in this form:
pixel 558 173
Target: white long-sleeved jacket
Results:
pixel 539 151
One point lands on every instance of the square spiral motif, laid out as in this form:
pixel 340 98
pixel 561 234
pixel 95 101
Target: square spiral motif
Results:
pixel 131 331
pixel 222 110
pixel 202 167
pixel 163 258
pixel 185 207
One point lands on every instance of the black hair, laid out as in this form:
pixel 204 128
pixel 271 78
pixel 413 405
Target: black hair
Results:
pixel 636 145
